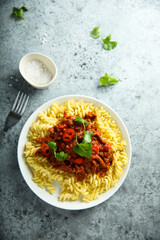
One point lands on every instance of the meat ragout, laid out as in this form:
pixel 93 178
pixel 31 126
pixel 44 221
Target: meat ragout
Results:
pixel 66 134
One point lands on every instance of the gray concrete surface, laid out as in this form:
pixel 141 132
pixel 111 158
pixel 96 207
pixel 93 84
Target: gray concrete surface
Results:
pixel 61 29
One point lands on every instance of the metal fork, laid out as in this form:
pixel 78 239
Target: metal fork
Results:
pixel 16 112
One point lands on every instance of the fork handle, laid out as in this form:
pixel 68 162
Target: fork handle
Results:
pixel 2 134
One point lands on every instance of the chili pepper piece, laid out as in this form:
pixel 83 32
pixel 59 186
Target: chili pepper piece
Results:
pixel 61 126
pixel 68 135
pixel 78 161
pixel 45 149
pixel 95 149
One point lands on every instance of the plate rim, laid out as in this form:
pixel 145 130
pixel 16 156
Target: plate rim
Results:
pixel 92 203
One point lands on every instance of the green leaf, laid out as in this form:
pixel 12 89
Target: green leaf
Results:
pixel 107 80
pixel 19 12
pixel 87 137
pixel 15 14
pixel 15 9
pixel 83 149
pixel 61 156
pixel 107 39
pixel 53 146
pixel 104 81
pixel 113 80
pixel 95 33
pixel 108 44
pixel 106 75
pixel 81 121
pixel 24 9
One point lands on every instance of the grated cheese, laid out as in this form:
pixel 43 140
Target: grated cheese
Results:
pixel 37 72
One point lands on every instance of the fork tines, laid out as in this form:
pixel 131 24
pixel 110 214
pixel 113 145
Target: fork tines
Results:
pixel 20 103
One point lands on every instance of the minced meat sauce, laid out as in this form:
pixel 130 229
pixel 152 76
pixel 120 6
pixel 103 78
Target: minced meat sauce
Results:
pixel 65 135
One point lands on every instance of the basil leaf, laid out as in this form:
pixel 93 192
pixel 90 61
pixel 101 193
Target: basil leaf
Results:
pixel 24 9
pixel 87 137
pixel 83 149
pixel 95 33
pixel 113 80
pixel 108 44
pixel 107 80
pixel 106 75
pixel 104 81
pixel 81 121
pixel 18 13
pixel 53 146
pixel 61 156
pixel 107 39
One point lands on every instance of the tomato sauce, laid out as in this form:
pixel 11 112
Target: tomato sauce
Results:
pixel 65 135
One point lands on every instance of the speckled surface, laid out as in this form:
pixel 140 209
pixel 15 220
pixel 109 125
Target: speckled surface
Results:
pixel 60 29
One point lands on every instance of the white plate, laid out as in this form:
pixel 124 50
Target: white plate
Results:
pixel 42 193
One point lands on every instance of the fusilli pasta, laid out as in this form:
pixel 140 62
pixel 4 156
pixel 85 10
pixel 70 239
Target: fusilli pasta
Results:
pixel 44 174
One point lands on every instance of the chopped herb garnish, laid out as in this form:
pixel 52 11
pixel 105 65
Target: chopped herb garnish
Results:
pixel 53 146
pixel 107 80
pixel 95 33
pixel 83 149
pixel 18 13
pixel 81 121
pixel 87 137
pixel 61 156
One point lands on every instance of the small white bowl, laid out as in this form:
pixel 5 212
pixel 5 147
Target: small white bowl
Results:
pixel 50 65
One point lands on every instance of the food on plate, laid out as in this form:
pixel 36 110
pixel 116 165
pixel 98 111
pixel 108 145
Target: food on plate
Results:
pixel 78 145
pixel 75 148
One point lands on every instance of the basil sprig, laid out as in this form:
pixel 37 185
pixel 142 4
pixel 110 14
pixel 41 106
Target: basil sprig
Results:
pixel 18 13
pixel 84 149
pixel 61 156
pixel 81 121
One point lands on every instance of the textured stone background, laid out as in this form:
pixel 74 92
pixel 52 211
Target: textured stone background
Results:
pixel 60 29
